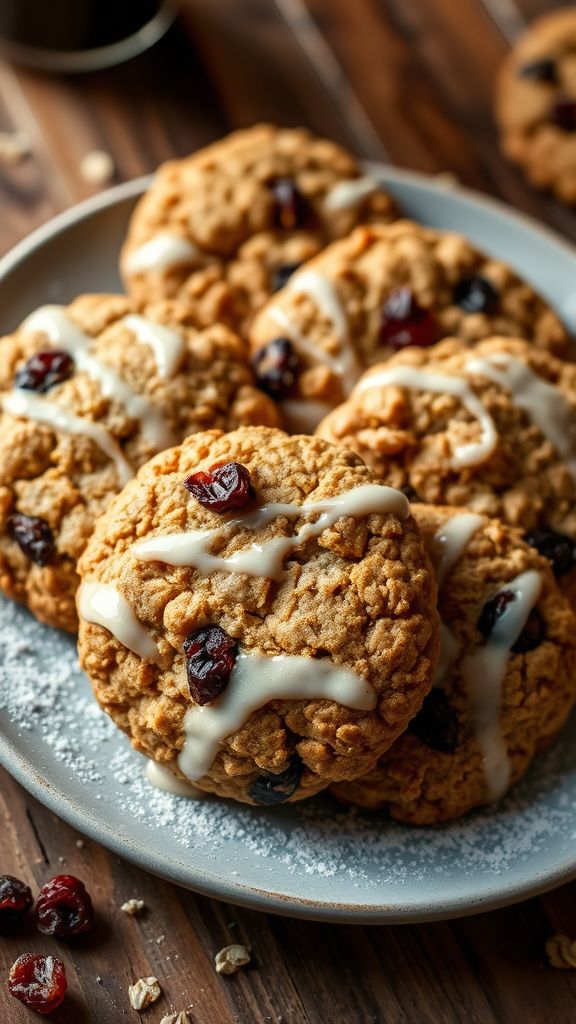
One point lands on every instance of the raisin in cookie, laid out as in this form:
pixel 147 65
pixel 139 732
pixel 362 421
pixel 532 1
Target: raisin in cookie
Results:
pixel 504 685
pixel 493 429
pixel 258 614
pixel 88 393
pixel 536 104
pixel 378 291
pixel 225 227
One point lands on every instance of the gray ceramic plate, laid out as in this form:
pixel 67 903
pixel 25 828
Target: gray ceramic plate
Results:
pixel 313 859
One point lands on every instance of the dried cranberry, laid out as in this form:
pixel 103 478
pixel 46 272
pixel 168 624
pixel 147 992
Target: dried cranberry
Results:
pixel 543 70
pixel 282 275
pixel 476 295
pixel 558 548
pixel 290 206
pixel 269 789
pixel 15 899
pixel 38 981
pixel 64 908
pixel 275 366
pixel 34 537
pixel 405 322
pixel 563 114
pixel 532 635
pixel 437 723
pixel 223 488
pixel 44 369
pixel 210 657
pixel 411 493
pixel 492 610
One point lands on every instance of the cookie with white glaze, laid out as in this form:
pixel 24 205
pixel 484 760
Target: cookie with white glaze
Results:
pixel 258 614
pixel 536 103
pixel 88 393
pixel 225 227
pixel 505 683
pixel 382 290
pixel 493 429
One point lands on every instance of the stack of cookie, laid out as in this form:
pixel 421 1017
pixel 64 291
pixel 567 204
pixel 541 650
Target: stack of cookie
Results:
pixel 262 610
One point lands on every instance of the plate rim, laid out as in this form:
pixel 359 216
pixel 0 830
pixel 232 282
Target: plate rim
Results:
pixel 438 907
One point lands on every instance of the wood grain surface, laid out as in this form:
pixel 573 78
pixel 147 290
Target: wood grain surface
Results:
pixel 409 81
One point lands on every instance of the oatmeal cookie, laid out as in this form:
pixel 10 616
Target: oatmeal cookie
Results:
pixel 381 290
pixel 225 227
pixel 88 393
pixel 506 678
pixel 258 614
pixel 493 429
pixel 536 104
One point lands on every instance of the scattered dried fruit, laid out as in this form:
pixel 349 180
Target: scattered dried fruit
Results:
pixel 437 724
pixel 64 908
pixel 275 366
pixel 543 70
pixel 269 790
pixel 290 206
pixel 210 657
pixel 563 114
pixel 492 610
pixel 532 635
pixel 282 275
pixel 561 952
pixel 44 370
pixel 476 295
pixel 132 907
pixel 33 536
pixel 224 488
pixel 230 959
pixel 144 992
pixel 405 323
pixel 558 548
pixel 38 981
pixel 15 899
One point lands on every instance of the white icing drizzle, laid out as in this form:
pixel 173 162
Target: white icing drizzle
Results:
pixel 104 605
pixel 323 293
pixel 449 544
pixel 265 559
pixel 451 541
pixel 63 333
pixel 166 344
pixel 254 682
pixel 345 195
pixel 161 778
pixel 483 672
pixel 344 365
pixel 545 404
pixel 469 454
pixel 161 253
pixel 28 406
pixel 302 416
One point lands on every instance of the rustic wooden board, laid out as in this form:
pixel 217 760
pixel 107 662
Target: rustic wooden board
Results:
pixel 411 83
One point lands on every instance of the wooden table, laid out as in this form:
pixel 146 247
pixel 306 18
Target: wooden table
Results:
pixel 405 80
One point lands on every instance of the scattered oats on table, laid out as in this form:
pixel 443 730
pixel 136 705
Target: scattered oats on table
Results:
pixel 144 992
pixel 132 907
pixel 176 1018
pixel 97 167
pixel 230 959
pixel 561 952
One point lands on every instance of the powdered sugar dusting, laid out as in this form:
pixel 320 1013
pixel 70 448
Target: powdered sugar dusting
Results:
pixel 314 850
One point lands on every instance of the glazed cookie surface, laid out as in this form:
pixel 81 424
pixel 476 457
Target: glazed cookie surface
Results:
pixel 505 682
pixel 88 393
pixel 493 429
pixel 225 227
pixel 536 104
pixel 265 629
pixel 381 290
